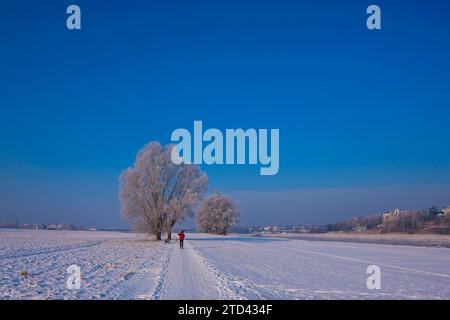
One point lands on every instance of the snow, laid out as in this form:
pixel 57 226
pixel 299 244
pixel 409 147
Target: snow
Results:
pixel 114 265
pixel 428 240
pixel 107 260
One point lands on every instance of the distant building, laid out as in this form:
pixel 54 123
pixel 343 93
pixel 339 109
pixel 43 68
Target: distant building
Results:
pixel 392 216
pixel 318 229
pixel 52 226
pixel 60 226
pixel 300 229
pixel 446 211
pixel 8 224
pixel 359 229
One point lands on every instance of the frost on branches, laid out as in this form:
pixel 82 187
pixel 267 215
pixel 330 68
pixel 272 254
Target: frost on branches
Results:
pixel 156 193
pixel 218 214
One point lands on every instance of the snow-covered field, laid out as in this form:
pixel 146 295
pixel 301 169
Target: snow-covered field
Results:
pixel 127 266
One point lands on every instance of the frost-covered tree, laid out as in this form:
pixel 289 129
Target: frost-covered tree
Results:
pixel 218 214
pixel 156 193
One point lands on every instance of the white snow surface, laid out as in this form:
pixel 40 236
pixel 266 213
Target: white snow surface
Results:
pixel 115 265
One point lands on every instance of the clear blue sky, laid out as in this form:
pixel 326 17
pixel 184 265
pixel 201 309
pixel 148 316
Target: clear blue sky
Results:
pixel 358 110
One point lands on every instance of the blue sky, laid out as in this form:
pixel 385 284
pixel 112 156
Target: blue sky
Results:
pixel 357 110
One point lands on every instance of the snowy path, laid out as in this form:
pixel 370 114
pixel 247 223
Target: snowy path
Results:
pixel 190 277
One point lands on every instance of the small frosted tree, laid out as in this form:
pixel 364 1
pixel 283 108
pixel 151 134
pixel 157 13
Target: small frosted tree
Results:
pixel 218 215
pixel 156 193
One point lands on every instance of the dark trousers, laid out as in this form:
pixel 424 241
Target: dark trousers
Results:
pixel 181 244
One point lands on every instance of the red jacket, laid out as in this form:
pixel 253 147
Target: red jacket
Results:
pixel 181 235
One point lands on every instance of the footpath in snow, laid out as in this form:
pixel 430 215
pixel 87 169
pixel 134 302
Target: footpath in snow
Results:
pixel 188 276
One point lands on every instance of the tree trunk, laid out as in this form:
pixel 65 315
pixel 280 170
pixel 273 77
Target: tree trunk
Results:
pixel 169 231
pixel 158 236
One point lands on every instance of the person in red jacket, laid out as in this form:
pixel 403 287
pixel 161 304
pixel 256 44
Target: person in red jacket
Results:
pixel 182 236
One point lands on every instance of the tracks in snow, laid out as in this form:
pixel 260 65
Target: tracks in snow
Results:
pixel 163 276
pixel 186 274
pixel 387 265
pixel 54 250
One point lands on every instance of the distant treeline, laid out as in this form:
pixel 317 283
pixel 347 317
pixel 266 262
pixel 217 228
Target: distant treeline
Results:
pixel 433 220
